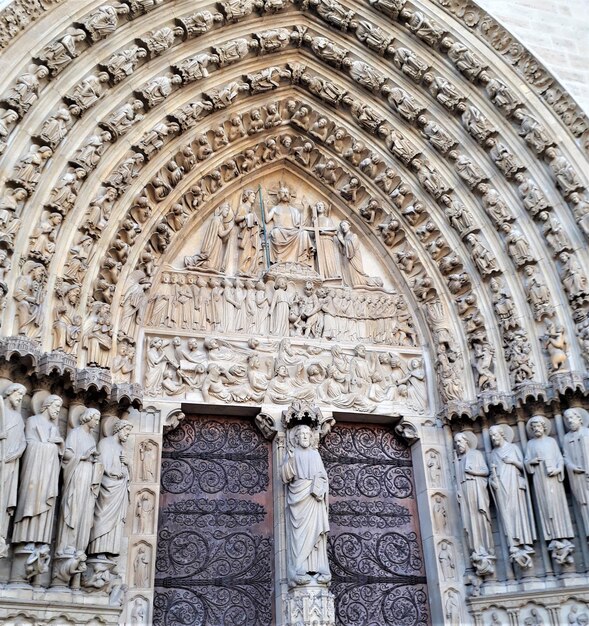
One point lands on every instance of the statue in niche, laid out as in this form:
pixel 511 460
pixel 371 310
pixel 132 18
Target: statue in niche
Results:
pixel 12 446
pixel 67 324
pixel 326 247
pixel 545 463
pixel 538 292
pixel 39 475
pixel 144 509
pixel 148 458
pixel 141 567
pixel 353 268
pixel 440 515
pixel 473 497
pixel 99 335
pixel 289 241
pixel 138 612
pixel 82 473
pixel 434 467
pixel 304 475
pixel 576 459
pixel 556 345
pixel 213 254
pixel 452 612
pixel 512 497
pixel 113 497
pixel 447 560
pixel 249 234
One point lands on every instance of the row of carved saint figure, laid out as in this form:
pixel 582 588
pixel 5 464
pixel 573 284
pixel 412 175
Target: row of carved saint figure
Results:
pixel 506 471
pixel 93 492
pixel 248 306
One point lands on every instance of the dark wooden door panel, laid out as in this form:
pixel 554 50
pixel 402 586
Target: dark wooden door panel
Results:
pixel 374 545
pixel 215 557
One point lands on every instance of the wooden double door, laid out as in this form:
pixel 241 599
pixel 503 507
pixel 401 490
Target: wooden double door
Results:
pixel 216 552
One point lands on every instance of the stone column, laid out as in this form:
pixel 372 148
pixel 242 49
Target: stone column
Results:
pixel 439 519
pixel 145 449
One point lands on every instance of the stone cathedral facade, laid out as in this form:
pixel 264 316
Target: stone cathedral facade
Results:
pixel 294 305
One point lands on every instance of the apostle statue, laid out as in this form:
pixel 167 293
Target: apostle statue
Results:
pixel 352 266
pixel 307 523
pixel 510 488
pixel 213 251
pixel 12 446
pixel 113 496
pixel 576 459
pixel 473 497
pixel 248 237
pixel 82 473
pixel 39 475
pixel 290 242
pixel 545 463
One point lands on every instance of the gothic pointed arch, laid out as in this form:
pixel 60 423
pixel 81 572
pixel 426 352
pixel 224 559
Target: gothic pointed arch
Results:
pixel 221 204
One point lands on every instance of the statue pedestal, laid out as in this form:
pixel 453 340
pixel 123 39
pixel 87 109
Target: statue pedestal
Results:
pixel 310 605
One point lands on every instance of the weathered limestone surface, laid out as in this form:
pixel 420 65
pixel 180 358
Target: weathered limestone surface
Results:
pixel 358 228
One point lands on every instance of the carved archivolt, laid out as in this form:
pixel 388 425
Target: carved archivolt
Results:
pixel 119 133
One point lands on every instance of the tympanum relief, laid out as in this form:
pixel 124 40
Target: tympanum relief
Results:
pixel 274 299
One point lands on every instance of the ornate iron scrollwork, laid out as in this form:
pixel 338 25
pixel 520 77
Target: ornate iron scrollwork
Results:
pixel 215 552
pixel 374 547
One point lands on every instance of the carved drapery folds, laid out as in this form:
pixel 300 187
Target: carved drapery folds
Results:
pixel 318 202
pixel 68 496
pixel 518 484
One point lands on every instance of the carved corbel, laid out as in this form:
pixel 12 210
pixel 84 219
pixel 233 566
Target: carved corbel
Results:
pixel 172 419
pixel 407 430
pixel 267 425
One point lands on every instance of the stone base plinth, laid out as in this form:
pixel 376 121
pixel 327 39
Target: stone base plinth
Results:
pixel 26 606
pixel 311 605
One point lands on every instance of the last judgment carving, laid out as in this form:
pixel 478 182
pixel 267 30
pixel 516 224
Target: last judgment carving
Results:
pixel 294 307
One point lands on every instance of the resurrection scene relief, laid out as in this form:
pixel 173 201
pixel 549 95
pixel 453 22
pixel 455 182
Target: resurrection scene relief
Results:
pixel 274 299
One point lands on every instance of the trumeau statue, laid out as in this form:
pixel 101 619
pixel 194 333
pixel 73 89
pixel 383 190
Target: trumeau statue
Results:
pixel 576 459
pixel 113 497
pixel 304 475
pixel 473 497
pixel 12 447
pixel 512 497
pixel 545 463
pixel 81 478
pixel 39 475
